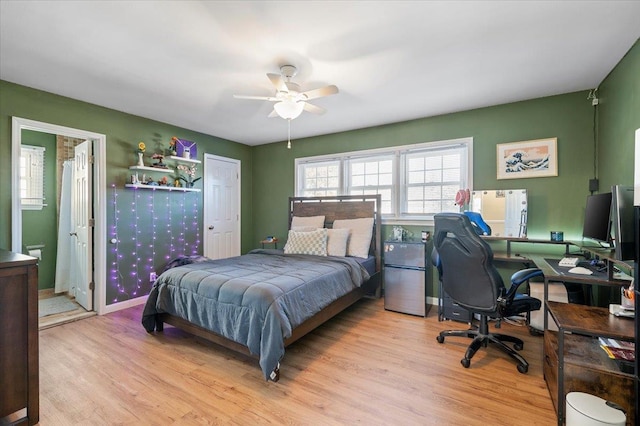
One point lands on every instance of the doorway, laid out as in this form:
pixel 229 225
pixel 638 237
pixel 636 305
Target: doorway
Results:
pixel 95 206
pixel 221 215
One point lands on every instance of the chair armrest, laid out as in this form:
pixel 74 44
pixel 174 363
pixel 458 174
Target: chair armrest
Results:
pixel 520 277
pixel 525 275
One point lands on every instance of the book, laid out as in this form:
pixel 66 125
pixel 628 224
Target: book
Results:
pixel 624 344
pixel 619 350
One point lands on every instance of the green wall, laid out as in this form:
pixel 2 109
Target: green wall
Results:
pixel 123 132
pixel 619 117
pixel 40 226
pixel 555 203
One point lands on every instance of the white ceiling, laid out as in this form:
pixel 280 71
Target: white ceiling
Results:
pixel 181 62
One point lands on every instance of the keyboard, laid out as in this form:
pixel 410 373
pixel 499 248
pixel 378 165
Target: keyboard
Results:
pixel 569 262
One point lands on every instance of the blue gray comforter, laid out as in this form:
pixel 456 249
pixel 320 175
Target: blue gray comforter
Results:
pixel 256 299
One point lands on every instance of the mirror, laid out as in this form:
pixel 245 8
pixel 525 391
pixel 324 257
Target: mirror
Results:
pixel 505 211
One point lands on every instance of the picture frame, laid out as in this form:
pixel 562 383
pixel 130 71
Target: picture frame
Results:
pixel 527 159
pixel 186 149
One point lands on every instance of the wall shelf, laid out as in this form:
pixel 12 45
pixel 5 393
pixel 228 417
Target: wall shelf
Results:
pixel 152 169
pixel 163 170
pixel 163 188
pixel 184 160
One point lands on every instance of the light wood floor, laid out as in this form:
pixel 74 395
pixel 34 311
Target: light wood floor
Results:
pixel 367 366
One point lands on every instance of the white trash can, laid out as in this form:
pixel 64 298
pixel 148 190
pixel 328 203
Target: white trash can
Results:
pixel 583 409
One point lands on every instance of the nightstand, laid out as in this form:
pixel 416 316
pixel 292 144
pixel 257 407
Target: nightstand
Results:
pixel 273 241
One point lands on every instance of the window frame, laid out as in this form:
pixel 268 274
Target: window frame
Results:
pixel 399 178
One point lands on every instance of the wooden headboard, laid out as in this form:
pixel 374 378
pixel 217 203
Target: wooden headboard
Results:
pixel 343 207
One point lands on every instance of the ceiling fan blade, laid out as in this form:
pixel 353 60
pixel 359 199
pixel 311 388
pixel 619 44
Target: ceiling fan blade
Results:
pixel 278 82
pixel 318 93
pixel 273 114
pixel 258 98
pixel 313 108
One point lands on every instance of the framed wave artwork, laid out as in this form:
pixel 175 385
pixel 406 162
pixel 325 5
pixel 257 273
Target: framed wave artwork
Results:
pixel 528 159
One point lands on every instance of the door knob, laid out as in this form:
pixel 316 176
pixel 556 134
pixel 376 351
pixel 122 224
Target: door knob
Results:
pixel 211 227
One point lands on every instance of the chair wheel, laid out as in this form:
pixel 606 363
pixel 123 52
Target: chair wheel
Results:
pixel 467 362
pixel 523 368
pixel 518 346
pixel 440 339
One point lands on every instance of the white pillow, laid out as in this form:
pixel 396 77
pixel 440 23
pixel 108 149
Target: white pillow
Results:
pixel 307 221
pixel 360 237
pixel 304 228
pixel 314 242
pixel 337 242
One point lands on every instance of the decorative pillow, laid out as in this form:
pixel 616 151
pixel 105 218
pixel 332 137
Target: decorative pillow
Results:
pixel 312 221
pixel 304 228
pixel 314 242
pixel 360 237
pixel 337 242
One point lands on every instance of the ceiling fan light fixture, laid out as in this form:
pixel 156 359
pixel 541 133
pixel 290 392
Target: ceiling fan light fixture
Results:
pixel 289 109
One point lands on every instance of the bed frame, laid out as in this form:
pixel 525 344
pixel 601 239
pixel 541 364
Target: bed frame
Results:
pixel 340 207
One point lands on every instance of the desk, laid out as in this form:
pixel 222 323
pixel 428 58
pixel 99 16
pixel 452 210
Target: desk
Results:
pixel 573 359
pixel 511 240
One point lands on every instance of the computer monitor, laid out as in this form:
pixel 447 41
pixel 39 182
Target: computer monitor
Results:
pixel 622 216
pixel 597 218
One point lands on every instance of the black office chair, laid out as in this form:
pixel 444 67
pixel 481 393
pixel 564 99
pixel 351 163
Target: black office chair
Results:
pixel 465 264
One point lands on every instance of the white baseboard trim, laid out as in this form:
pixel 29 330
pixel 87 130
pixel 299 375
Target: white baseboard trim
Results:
pixel 124 305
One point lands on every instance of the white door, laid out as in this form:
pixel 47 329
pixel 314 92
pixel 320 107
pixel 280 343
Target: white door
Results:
pixel 221 213
pixel 82 228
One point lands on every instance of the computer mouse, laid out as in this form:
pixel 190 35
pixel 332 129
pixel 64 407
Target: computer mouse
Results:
pixel 580 271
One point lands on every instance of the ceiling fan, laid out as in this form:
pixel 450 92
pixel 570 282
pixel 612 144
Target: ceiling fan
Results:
pixel 289 100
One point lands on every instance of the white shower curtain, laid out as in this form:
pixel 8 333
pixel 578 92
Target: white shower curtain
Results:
pixel 65 272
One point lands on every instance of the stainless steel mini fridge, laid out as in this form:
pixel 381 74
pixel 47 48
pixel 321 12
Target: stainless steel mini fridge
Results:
pixel 405 271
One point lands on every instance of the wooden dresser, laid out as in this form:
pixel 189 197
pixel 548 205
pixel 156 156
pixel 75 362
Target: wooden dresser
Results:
pixel 19 387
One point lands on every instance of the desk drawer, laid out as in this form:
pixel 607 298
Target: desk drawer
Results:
pixel 456 312
pixel 453 311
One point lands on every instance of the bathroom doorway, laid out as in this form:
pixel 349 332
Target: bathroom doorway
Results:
pixel 73 147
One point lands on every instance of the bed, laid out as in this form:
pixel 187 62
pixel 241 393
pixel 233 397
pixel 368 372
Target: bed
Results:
pixel 259 303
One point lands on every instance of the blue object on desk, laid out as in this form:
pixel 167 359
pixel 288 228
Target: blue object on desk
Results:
pixel 479 225
pixel 557 236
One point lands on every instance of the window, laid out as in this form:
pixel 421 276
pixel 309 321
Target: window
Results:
pixel 372 175
pixel 32 177
pixel 432 179
pixel 320 178
pixel 415 181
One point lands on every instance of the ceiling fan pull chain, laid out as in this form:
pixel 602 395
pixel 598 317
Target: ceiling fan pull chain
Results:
pixel 289 133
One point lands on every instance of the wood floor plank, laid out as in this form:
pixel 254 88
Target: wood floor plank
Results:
pixel 367 366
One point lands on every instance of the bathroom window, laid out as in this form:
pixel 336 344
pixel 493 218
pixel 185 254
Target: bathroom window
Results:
pixel 32 177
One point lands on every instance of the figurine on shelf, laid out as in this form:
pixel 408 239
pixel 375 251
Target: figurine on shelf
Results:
pixel 160 164
pixel 140 151
pixel 172 145
pixel 190 171
pixel 164 181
